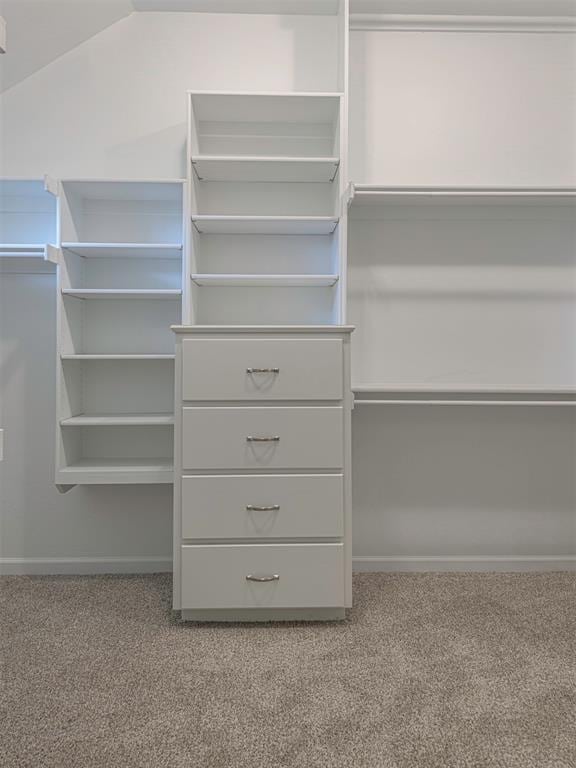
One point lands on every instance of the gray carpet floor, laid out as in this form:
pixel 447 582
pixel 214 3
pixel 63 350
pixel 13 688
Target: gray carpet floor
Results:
pixel 428 671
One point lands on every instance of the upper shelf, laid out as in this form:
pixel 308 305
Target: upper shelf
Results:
pixel 265 225
pixel 254 168
pixel 370 194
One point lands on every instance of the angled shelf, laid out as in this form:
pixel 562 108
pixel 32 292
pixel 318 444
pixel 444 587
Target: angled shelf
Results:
pixel 264 225
pixel 122 419
pixel 269 280
pixel 125 250
pixel 121 293
pixel 259 169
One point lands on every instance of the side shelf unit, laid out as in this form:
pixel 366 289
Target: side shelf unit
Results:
pixel 120 289
pixel 27 226
pixel 267 231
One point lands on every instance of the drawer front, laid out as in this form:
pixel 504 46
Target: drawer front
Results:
pixel 262 506
pixel 294 438
pixel 308 575
pixel 262 369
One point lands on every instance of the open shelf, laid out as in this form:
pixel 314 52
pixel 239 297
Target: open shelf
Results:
pixel 490 396
pixel 372 194
pixel 279 225
pixel 125 250
pixel 117 471
pixel 253 168
pixel 120 293
pixel 287 281
pixel 124 419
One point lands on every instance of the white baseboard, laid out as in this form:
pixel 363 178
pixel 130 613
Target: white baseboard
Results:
pixel 44 566
pixel 466 563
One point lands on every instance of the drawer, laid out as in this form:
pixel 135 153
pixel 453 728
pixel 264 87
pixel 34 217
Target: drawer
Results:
pixel 301 576
pixel 291 506
pixel 286 438
pixel 290 369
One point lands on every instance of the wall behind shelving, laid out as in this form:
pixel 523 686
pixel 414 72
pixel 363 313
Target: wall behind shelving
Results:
pixel 115 107
pixel 462 109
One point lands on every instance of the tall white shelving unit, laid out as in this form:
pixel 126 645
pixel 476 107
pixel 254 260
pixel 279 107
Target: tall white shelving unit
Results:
pixel 267 237
pixel 119 290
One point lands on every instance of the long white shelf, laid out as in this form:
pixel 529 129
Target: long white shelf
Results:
pixel 117 471
pixel 285 281
pixel 271 169
pixel 125 419
pixel 374 194
pixel 265 225
pixel 121 293
pixel 116 357
pixel 464 396
pixel 125 250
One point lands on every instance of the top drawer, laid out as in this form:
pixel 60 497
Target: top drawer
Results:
pixel 262 369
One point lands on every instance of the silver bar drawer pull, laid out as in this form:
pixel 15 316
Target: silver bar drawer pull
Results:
pixel 262 370
pixel 268 508
pixel 271 439
pixel 272 577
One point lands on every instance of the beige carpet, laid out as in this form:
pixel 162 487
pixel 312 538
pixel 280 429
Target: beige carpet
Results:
pixel 429 671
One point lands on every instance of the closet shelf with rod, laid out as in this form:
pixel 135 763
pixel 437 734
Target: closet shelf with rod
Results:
pixel 375 194
pixel 409 396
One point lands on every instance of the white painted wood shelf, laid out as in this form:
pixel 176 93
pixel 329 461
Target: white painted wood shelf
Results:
pixel 121 293
pixel 125 250
pixel 270 280
pixel 374 194
pixel 264 225
pixel 117 471
pixel 124 419
pixel 268 169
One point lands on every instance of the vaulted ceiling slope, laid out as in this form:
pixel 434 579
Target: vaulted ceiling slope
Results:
pixel 39 31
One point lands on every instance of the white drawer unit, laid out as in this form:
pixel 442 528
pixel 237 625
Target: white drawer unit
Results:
pixel 263 576
pixel 262 506
pixel 267 438
pixel 262 369
pixel 262 473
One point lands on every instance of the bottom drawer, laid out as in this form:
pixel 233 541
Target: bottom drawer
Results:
pixel 296 576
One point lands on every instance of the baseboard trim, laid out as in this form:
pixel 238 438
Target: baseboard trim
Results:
pixel 383 22
pixel 465 563
pixel 46 566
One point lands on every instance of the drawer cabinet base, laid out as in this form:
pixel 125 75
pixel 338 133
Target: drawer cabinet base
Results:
pixel 265 614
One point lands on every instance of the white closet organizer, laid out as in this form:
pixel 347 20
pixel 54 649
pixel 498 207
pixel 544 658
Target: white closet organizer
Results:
pixel 27 226
pixel 266 190
pixel 462 291
pixel 120 289
pixel 262 439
